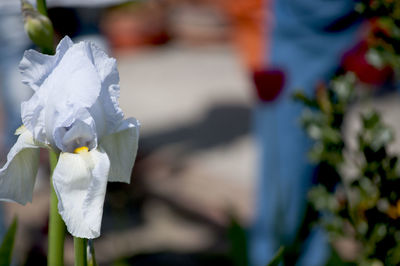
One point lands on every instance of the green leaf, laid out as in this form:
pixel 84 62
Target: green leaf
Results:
pixel 303 98
pixel 237 238
pixel 6 247
pixel 276 260
pixel 335 260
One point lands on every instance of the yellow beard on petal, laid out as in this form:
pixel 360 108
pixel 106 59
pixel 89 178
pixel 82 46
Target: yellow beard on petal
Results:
pixel 83 153
pixel 81 149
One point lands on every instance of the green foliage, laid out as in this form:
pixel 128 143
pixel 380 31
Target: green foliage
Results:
pixel 238 241
pixel 323 118
pixel 365 206
pixel 278 257
pixel 384 37
pixel 7 245
pixel 335 260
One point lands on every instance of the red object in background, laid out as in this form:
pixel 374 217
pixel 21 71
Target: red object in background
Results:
pixel 355 61
pixel 269 83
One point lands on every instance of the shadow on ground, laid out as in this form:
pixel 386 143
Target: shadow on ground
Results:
pixel 221 125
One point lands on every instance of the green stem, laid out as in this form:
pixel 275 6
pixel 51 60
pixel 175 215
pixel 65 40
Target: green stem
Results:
pixel 41 7
pixel 56 224
pixel 80 246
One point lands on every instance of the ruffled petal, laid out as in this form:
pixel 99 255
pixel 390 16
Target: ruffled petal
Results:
pixel 80 181
pixel 72 86
pixel 80 76
pixel 18 175
pixel 106 110
pixel 121 148
pixel 36 67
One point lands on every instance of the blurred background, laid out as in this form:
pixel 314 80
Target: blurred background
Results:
pixel 184 70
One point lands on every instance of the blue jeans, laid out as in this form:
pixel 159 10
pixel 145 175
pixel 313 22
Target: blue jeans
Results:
pixel 307 50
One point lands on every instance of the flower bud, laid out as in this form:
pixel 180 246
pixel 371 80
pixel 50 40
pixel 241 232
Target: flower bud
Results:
pixel 38 27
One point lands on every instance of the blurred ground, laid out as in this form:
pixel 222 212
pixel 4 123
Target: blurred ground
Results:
pixel 196 155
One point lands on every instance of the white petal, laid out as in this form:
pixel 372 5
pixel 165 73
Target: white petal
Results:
pixel 33 117
pixel 80 181
pixel 17 177
pixel 80 76
pixel 64 84
pixel 106 110
pixel 121 148
pixel 72 86
pixel 35 67
pixel 106 66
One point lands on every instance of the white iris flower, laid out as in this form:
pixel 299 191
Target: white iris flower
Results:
pixel 74 110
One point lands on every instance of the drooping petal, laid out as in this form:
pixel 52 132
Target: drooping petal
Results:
pixel 80 181
pixel 18 175
pixel 121 148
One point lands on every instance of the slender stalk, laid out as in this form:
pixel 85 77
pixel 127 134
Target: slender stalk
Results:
pixel 56 224
pixel 56 236
pixel 41 7
pixel 80 246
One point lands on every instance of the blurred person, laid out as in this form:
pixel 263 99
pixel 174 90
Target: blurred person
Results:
pixel 303 42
